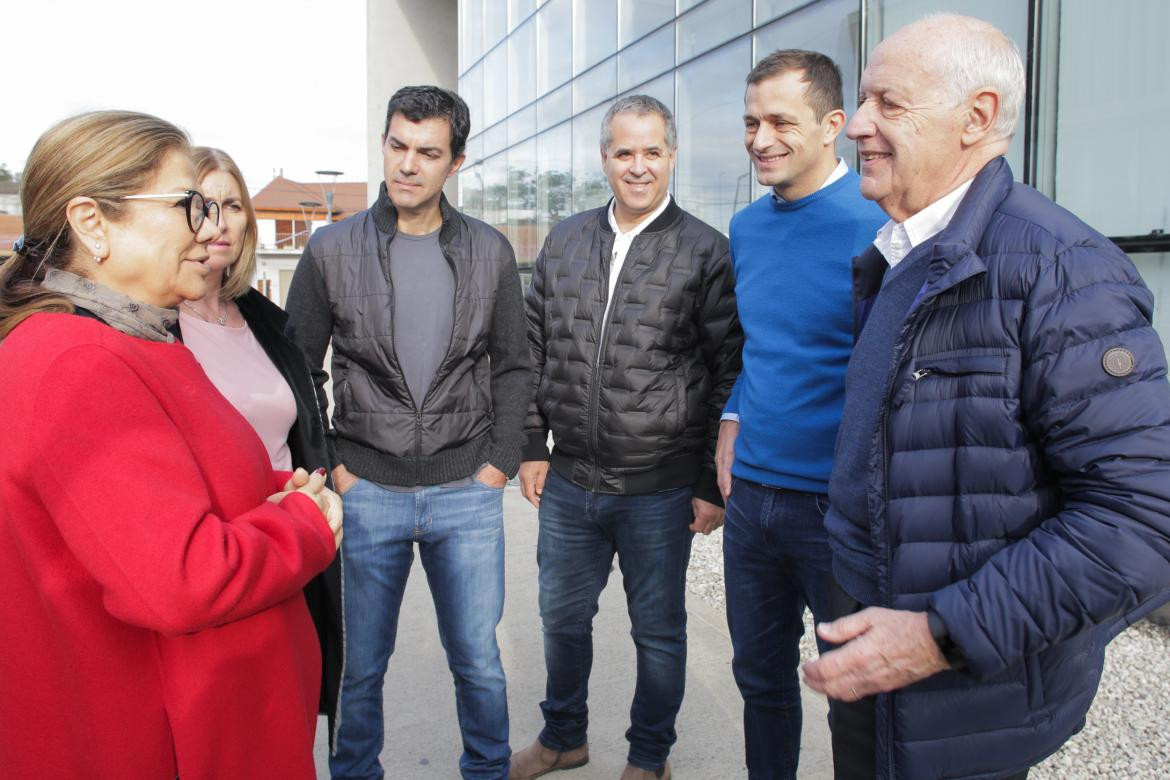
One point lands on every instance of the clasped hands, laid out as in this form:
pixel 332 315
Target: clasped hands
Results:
pixel 313 486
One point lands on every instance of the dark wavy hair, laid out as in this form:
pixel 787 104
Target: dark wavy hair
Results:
pixel 428 102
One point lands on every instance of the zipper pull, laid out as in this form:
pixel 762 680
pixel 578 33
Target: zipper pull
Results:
pixel 920 374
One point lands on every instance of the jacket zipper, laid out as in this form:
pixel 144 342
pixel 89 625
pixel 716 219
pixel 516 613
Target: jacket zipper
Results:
pixel 595 386
pixel 899 358
pixel 595 391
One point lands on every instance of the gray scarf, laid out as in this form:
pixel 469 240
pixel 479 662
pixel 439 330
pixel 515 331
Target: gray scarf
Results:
pixel 116 309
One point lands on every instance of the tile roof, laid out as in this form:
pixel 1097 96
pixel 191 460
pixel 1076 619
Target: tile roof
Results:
pixel 285 195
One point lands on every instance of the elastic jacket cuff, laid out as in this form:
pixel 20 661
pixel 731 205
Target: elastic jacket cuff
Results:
pixel 505 456
pixel 536 446
pixel 707 488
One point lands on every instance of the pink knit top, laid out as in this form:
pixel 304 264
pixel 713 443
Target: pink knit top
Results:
pixel 241 370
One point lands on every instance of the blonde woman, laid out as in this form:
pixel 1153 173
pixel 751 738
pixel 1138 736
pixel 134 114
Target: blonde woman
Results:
pixel 237 335
pixel 151 559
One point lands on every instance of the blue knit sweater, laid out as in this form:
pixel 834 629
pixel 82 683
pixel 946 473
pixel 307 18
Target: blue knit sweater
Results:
pixel 793 287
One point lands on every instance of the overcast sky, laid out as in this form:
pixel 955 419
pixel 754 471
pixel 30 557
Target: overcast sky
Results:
pixel 275 83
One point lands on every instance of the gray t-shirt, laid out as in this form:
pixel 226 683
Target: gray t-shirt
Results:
pixel 424 308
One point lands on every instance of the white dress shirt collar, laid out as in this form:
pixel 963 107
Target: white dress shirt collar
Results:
pixel 895 240
pixel 636 229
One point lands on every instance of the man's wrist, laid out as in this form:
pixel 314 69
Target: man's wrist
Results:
pixel 942 637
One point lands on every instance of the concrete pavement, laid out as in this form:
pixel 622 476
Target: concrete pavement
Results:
pixel 422 734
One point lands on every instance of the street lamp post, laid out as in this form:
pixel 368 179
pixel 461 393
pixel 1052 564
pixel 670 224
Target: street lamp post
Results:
pixel 329 194
pixel 307 204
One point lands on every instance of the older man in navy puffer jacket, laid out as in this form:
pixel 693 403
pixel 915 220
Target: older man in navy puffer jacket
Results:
pixel 1000 503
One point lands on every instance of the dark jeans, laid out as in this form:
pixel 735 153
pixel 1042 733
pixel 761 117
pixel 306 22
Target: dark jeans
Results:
pixel 579 533
pixel 460 535
pixel 776 560
pixel 854 724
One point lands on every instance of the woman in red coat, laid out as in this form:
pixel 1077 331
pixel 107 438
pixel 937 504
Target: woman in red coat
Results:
pixel 151 561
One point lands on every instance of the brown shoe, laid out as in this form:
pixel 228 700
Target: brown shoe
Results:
pixel 537 760
pixel 638 773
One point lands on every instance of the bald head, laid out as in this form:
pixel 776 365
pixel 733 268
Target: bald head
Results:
pixel 965 55
pixel 939 99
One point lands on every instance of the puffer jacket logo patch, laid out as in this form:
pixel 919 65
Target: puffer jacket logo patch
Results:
pixel 1118 362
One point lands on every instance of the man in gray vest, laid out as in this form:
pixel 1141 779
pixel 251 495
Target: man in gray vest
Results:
pixel 431 382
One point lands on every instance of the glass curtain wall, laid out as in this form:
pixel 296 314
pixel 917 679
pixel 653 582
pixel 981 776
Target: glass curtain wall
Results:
pixel 538 76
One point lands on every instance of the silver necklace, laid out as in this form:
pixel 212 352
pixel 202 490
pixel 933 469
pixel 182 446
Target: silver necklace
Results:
pixel 221 319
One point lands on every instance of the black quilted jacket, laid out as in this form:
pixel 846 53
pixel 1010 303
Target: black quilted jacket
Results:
pixel 633 403
pixel 472 413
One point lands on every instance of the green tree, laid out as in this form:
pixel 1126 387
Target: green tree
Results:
pixel 5 174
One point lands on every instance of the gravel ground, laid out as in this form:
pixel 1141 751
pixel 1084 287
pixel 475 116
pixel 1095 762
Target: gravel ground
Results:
pixel 1127 734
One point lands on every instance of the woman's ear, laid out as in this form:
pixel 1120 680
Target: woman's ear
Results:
pixel 88 224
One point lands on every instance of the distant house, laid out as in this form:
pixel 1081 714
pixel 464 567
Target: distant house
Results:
pixel 11 226
pixel 287 212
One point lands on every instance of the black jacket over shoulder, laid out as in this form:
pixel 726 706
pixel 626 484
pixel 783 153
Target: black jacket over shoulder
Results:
pixel 473 412
pixel 634 401
pixel 306 443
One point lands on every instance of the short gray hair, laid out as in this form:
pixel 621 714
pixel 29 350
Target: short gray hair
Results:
pixel 640 105
pixel 969 54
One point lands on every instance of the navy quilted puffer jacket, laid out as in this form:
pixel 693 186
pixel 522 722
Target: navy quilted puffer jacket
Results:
pixel 1019 488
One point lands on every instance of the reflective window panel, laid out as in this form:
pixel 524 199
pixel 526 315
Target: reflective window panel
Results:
pixel 554 45
pixel 596 85
pixel 522 66
pixel 555 107
pixel 639 17
pixel 471 191
pixel 594 32
pixel 590 188
pixel 1112 116
pixel 713 178
pixel 495 192
pixel 554 177
pixel 495 86
pixel 710 24
pixel 647 58
pixel 522 228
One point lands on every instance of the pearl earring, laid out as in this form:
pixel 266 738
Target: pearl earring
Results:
pixel 97 258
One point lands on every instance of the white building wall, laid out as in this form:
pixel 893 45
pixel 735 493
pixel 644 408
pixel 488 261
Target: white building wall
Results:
pixel 407 42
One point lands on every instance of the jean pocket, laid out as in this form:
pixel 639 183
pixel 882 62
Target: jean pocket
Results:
pixel 822 503
pixel 353 486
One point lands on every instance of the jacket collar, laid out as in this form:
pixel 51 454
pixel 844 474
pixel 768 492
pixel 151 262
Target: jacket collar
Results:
pixel 386 216
pixel 953 256
pixel 660 223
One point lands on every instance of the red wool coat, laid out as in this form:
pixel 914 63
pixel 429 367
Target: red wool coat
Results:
pixel 151 616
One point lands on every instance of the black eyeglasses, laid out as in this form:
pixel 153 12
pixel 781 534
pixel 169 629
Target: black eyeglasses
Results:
pixel 194 204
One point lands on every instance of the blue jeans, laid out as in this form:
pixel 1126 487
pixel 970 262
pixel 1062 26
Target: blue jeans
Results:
pixel 579 533
pixel 776 560
pixel 460 534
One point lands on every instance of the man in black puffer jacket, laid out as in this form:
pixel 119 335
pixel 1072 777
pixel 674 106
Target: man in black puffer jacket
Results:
pixel 633 329
pixel 1000 499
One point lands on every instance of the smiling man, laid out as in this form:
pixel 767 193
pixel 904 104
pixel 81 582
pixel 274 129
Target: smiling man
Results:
pixel 633 331
pixel 1000 501
pixel 430 383
pixel 791 251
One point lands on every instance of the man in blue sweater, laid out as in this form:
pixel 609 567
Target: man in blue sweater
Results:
pixel 791 251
